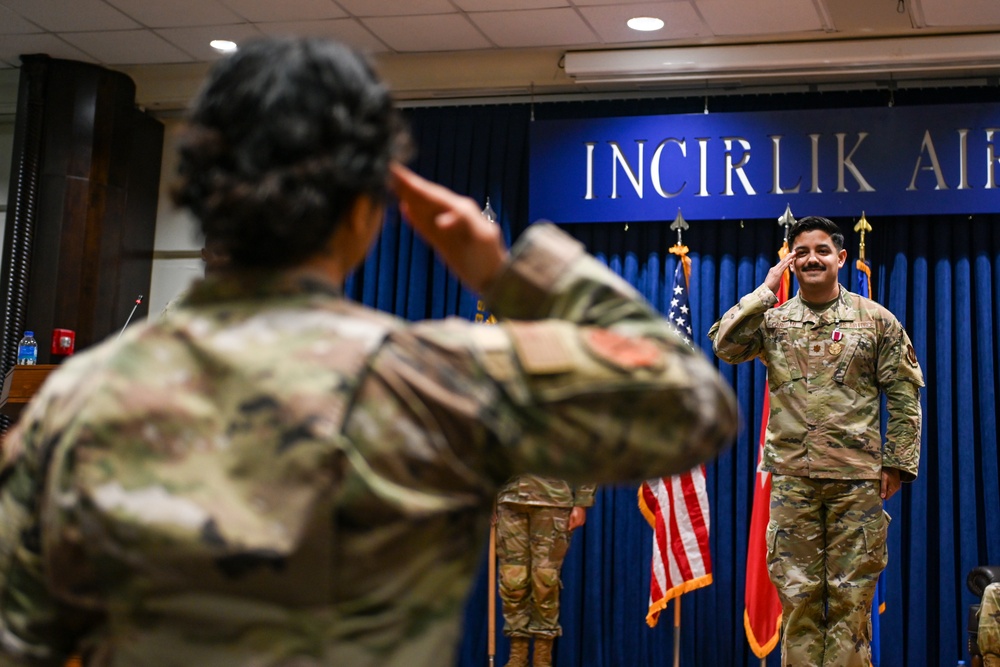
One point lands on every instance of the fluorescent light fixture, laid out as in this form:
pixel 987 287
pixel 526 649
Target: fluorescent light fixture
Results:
pixel 798 61
pixel 645 23
pixel 223 45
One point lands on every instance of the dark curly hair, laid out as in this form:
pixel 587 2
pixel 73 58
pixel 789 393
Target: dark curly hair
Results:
pixel 811 222
pixel 285 135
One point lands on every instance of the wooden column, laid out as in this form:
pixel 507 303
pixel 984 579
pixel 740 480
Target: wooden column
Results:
pixel 82 206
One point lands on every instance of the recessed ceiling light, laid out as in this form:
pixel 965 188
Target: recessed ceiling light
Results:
pixel 223 45
pixel 645 23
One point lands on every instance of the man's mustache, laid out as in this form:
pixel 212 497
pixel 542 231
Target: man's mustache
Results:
pixel 810 267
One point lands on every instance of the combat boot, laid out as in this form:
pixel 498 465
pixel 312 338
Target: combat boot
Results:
pixel 543 652
pixel 518 652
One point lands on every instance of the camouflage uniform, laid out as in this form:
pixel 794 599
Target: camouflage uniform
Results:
pixel 988 636
pixel 273 476
pixel 532 539
pixel 827 531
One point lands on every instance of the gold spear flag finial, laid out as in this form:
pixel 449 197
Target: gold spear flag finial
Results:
pixel 863 227
pixel 787 220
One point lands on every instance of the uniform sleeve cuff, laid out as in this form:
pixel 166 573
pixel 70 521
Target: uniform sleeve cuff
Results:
pixel 766 297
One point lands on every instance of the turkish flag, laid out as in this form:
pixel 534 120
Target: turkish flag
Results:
pixel 762 611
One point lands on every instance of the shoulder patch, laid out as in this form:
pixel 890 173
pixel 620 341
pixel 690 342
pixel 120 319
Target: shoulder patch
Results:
pixel 542 348
pixel 911 354
pixel 623 351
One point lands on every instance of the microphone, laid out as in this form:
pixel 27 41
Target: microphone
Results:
pixel 137 302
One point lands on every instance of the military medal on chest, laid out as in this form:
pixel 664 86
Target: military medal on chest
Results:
pixel 836 347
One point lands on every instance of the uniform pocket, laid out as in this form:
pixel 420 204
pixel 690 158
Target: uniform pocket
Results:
pixel 857 369
pixel 771 536
pixel 780 358
pixel 775 562
pixel 876 534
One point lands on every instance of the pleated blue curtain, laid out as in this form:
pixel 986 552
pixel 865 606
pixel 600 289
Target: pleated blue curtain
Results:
pixel 939 275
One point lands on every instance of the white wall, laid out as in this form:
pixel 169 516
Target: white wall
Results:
pixel 177 246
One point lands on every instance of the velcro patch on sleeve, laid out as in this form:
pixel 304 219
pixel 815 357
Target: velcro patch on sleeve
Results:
pixel 623 351
pixel 543 347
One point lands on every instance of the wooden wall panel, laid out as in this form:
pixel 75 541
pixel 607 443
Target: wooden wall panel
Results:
pixel 91 214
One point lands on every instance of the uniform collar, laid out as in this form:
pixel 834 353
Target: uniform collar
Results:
pixel 842 311
pixel 259 285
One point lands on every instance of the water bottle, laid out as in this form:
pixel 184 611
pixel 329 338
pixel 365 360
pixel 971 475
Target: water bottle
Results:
pixel 27 350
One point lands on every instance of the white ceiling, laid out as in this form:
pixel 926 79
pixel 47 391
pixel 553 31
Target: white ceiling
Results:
pixel 446 48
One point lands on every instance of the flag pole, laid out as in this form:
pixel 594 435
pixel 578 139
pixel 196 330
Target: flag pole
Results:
pixel 861 264
pixel 786 221
pixel 491 597
pixel 680 225
pixel 491 610
pixel 681 559
pixel 677 631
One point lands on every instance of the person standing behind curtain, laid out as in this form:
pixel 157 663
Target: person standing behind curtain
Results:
pixel 535 518
pixel 829 354
pixel 273 475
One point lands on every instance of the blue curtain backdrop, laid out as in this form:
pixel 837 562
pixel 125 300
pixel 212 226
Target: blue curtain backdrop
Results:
pixel 939 275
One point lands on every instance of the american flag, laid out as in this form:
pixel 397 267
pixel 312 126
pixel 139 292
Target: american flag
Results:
pixel 679 313
pixel 677 507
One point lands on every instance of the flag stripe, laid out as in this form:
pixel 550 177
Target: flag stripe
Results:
pixel 677 507
pixel 681 566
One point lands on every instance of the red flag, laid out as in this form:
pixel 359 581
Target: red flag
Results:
pixel 762 614
pixel 677 507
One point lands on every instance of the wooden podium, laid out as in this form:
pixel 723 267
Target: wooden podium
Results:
pixel 19 385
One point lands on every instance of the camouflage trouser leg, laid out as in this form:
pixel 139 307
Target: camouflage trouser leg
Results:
pixel 989 625
pixel 531 545
pixel 826 546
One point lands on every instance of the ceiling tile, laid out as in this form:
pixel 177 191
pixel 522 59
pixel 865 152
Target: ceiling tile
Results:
pixel 14 46
pixel 762 17
pixel 396 7
pixel 286 10
pixel 348 31
pixel 79 15
pixel 613 3
pixel 866 19
pixel 127 47
pixel 961 12
pixel 446 32
pixel 503 5
pixel 195 40
pixel 14 24
pixel 680 21
pixel 177 13
pixel 540 27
